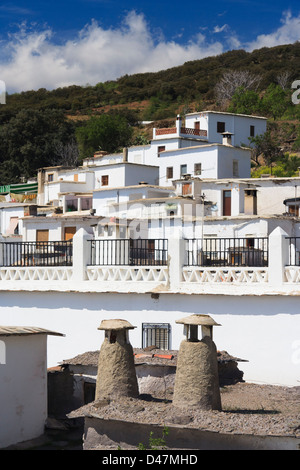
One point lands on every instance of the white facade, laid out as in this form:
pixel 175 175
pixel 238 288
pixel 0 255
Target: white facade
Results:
pixel 115 201
pixel 216 161
pixel 23 383
pixel 241 126
pixel 254 305
pixel 122 174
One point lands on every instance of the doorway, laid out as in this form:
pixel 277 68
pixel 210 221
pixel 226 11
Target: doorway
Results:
pixel 227 202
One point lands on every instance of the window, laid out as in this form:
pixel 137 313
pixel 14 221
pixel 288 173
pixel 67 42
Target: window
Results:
pixel 250 242
pixel 122 232
pixel 220 127
pixel 50 177
pixel 86 203
pixel 235 168
pixel 183 170
pixel 252 131
pixel 169 172
pixel 161 148
pixel 187 189
pixel 156 334
pixel 42 235
pixel 69 233
pixel 89 390
pixel 13 228
pixel 2 352
pixel 104 180
pixel 197 125
pixel 197 169
pixel 71 205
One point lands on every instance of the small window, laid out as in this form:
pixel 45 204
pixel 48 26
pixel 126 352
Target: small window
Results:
pixel 89 390
pixel 220 127
pixel 156 334
pixel 235 168
pixel 104 180
pixel 50 177
pixel 161 148
pixel 250 242
pixel 2 352
pixel 197 169
pixel 100 230
pixel 169 172
pixel 183 170
pixel 252 131
pixel 122 232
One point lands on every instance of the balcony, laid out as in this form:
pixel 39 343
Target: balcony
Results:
pixel 180 132
pixel 231 266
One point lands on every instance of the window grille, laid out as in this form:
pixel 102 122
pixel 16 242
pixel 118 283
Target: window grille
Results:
pixel 156 334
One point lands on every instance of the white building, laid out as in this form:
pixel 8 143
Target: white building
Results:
pixel 204 241
pixel 23 383
pixel 215 124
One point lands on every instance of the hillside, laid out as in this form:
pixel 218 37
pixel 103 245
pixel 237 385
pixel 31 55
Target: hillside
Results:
pixel 156 97
pixel 175 87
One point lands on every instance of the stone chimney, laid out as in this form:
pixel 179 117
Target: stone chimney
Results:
pixel 125 154
pixel 178 123
pixel 227 138
pixel 116 370
pixel 197 378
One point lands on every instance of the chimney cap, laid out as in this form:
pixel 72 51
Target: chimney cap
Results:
pixel 198 319
pixel 116 325
pixel 227 133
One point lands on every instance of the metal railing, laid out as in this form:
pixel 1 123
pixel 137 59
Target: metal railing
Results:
pixel 120 252
pixel 227 252
pixel 294 251
pixel 56 253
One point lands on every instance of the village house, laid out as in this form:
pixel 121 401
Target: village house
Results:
pixel 151 250
pixel 23 378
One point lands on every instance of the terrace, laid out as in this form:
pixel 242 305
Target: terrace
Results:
pixel 229 265
pixel 180 132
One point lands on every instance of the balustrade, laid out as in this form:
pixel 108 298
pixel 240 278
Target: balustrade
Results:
pixel 173 264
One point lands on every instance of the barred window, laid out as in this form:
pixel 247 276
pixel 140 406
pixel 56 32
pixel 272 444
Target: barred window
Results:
pixel 156 334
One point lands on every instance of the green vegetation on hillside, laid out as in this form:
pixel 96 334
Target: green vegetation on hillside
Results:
pixel 37 126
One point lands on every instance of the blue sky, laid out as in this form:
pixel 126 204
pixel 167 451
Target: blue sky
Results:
pixel 50 44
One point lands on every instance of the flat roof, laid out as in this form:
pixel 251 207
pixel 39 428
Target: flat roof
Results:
pixel 144 186
pixel 197 147
pixel 229 114
pixel 26 330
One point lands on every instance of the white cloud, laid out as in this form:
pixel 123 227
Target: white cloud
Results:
pixel 220 29
pixel 32 60
pixel 287 33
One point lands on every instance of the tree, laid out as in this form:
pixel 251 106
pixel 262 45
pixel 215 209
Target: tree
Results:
pixel 234 80
pixel 28 142
pixel 275 101
pixel 266 146
pixel 283 79
pixel 106 132
pixel 245 102
pixel 66 154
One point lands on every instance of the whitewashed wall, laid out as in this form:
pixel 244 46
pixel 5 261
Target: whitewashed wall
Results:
pixel 23 386
pixel 265 330
pixel 5 215
pixel 239 125
pixel 216 162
